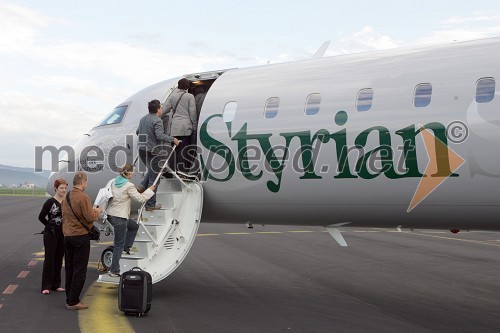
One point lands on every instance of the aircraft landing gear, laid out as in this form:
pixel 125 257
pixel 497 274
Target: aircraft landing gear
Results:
pixel 107 257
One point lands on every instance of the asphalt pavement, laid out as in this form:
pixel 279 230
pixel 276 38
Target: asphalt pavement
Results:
pixel 271 279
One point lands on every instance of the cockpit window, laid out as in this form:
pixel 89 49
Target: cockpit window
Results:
pixel 115 117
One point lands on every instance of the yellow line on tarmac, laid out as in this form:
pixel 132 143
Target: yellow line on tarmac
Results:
pixel 92 264
pixel 202 235
pixel 269 232
pixel 103 314
pixel 300 231
pixel 237 233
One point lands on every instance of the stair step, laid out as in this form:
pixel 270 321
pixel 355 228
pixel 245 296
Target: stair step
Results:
pixel 143 241
pixel 154 230
pixel 141 248
pixel 132 257
pixel 153 224
pixel 159 215
pixel 170 186
pixel 104 278
pixel 168 200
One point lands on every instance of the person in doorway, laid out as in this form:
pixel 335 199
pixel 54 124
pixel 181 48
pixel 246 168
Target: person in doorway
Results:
pixel 78 217
pixel 53 238
pixel 151 136
pixel 184 123
pixel 118 212
pixel 199 98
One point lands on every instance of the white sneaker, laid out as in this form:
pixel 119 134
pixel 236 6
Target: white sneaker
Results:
pixel 129 252
pixel 114 275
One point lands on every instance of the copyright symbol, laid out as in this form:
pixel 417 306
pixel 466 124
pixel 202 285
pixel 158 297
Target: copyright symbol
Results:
pixel 457 131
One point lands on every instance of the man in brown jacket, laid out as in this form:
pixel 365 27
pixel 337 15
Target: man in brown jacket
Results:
pixel 76 239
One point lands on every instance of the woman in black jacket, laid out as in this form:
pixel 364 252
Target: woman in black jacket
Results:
pixel 53 238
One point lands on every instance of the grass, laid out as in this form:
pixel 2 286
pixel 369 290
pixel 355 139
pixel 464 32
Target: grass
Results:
pixel 22 192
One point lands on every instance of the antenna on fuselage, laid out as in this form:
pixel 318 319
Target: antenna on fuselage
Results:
pixel 321 51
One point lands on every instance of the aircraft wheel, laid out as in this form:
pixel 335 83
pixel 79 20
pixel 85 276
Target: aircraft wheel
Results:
pixel 107 257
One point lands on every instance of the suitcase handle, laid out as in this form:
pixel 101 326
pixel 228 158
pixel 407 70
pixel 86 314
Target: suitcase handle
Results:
pixel 136 269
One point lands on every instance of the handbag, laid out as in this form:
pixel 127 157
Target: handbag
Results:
pixel 94 232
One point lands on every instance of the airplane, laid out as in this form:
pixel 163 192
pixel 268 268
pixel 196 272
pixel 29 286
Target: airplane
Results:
pixel 390 139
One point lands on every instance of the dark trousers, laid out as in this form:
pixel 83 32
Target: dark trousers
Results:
pixel 152 163
pixel 53 242
pixel 76 252
pixel 183 154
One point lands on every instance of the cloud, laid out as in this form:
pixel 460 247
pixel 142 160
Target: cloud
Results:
pixel 367 40
pixel 33 121
pixel 461 28
pixel 78 86
pixel 459 34
pixel 481 17
pixel 136 64
pixel 23 30
pixel 43 121
pixel 20 27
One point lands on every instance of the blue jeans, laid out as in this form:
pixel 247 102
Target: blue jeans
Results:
pixel 152 163
pixel 124 231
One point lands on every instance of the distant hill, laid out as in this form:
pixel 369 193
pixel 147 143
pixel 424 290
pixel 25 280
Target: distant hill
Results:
pixel 10 175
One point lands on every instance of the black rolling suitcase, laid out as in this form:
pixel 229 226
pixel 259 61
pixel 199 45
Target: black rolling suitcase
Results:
pixel 135 294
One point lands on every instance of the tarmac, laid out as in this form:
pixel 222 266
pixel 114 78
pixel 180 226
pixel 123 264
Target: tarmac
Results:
pixel 270 279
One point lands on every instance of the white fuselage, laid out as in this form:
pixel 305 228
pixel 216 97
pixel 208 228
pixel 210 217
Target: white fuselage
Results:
pixel 320 161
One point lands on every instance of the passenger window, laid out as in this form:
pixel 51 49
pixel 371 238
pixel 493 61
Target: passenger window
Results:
pixel 364 100
pixel 422 96
pixel 229 111
pixel 271 109
pixel 115 117
pixel 485 90
pixel 312 104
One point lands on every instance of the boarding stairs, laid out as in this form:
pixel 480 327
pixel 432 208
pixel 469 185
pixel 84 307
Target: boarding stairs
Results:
pixel 165 235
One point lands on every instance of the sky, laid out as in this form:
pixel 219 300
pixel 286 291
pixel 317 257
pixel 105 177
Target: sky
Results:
pixel 64 66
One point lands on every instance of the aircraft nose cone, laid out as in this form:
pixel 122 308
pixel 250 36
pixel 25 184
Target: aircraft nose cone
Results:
pixel 50 183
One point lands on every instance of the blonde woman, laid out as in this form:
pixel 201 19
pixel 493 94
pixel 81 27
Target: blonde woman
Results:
pixel 125 229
